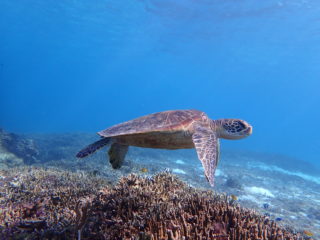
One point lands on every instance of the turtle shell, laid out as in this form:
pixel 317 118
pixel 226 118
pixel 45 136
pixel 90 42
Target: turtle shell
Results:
pixel 168 121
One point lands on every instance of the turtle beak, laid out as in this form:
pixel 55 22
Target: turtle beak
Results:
pixel 248 131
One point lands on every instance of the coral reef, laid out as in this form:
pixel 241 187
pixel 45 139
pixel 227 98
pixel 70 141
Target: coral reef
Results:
pixel 40 203
pixel 16 149
pixel 52 204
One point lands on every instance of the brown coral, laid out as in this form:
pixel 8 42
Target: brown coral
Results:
pixel 165 208
pixel 68 206
pixel 42 204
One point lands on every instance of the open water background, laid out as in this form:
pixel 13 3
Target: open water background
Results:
pixel 81 66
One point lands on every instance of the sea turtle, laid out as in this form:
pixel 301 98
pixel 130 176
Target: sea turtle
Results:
pixel 171 130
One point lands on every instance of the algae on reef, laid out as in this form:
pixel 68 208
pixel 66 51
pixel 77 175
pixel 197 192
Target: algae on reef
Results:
pixel 54 204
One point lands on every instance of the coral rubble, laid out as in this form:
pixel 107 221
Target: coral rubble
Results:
pixel 51 204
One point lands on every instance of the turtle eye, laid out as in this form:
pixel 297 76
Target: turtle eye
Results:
pixel 239 126
pixel 242 126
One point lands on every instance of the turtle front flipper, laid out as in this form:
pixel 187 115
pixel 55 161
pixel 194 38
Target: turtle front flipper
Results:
pixel 93 147
pixel 117 153
pixel 207 146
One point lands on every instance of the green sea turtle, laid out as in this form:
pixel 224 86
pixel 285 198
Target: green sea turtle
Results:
pixel 171 130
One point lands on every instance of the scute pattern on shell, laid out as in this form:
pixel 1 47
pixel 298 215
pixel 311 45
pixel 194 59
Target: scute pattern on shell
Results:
pixel 162 121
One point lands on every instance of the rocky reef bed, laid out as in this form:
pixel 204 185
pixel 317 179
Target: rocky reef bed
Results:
pixel 54 204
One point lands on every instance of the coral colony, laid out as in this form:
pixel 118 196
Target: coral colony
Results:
pixel 53 204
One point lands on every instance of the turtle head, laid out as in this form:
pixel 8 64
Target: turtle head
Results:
pixel 233 128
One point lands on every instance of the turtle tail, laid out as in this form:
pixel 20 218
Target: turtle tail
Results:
pixel 93 147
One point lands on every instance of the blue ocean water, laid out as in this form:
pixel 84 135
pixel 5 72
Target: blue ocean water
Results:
pixel 81 66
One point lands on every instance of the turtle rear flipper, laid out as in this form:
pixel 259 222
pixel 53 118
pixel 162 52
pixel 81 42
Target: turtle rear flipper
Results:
pixel 93 147
pixel 117 153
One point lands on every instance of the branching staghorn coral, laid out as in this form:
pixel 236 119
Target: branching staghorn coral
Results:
pixel 82 211
pixel 41 203
pixel 165 208
pixel 61 205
